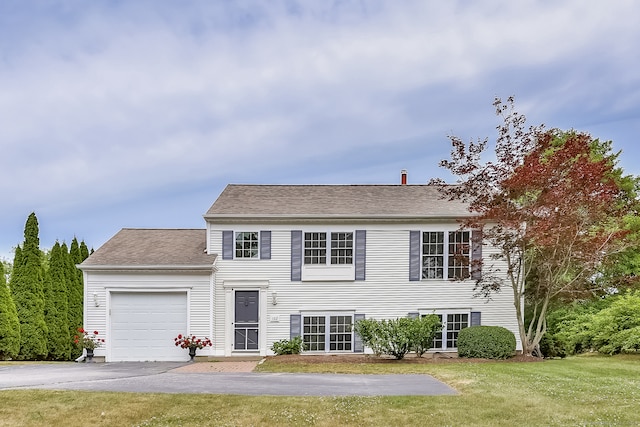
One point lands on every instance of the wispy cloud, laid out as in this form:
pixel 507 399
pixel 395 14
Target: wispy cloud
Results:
pixel 107 102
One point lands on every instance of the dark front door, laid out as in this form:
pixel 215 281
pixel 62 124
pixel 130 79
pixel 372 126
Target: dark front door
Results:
pixel 246 320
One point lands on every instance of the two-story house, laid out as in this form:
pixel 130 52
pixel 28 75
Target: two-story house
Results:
pixel 278 261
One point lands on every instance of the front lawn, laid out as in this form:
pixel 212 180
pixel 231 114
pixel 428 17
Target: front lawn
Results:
pixel 586 390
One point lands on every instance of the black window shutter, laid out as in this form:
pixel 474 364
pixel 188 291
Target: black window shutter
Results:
pixel 475 318
pixel 414 255
pixel 265 245
pixel 295 326
pixel 361 254
pixel 227 244
pixel 296 255
pixel 476 254
pixel 358 346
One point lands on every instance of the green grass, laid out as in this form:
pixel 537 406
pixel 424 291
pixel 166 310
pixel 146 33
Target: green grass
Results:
pixel 587 390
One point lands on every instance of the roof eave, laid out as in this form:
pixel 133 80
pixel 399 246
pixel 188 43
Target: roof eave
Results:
pixel 120 267
pixel 280 219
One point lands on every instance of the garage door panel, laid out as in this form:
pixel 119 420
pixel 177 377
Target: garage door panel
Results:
pixel 144 324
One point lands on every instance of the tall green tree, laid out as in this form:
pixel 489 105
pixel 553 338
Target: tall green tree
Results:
pixel 84 250
pixel 9 323
pixel 553 204
pixel 8 267
pixel 27 288
pixel 57 306
pixel 75 293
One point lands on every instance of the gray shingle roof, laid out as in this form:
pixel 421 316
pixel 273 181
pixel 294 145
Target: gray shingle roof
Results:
pixel 359 201
pixel 132 247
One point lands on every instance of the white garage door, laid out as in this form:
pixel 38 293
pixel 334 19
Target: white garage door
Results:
pixel 144 324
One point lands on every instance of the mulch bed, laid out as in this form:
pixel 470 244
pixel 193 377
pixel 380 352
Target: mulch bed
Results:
pixel 409 359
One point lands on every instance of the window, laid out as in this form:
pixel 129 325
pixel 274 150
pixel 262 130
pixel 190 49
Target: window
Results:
pixel 447 338
pixel 457 255
pixel 455 323
pixel 315 248
pixel 339 338
pixel 313 333
pixel 247 244
pixel 341 248
pixel 432 255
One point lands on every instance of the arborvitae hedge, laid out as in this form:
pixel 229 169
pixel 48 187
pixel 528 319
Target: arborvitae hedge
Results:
pixel 57 306
pixel 75 293
pixel 9 323
pixel 27 289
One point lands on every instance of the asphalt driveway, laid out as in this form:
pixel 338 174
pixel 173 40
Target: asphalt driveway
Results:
pixel 158 377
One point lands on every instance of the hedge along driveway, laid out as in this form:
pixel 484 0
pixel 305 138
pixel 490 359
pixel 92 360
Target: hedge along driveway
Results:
pixel 158 378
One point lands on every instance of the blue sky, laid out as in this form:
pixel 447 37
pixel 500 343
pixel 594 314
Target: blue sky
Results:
pixel 136 114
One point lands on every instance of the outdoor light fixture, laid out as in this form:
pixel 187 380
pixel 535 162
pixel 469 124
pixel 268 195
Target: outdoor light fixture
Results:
pixel 95 299
pixel 274 298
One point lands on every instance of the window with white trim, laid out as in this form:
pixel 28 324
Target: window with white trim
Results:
pixel 328 333
pixel 342 248
pixel 452 324
pixel 247 244
pixel 315 248
pixel 457 254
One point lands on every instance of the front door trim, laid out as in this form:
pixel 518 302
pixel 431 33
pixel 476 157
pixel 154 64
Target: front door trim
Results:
pixel 230 286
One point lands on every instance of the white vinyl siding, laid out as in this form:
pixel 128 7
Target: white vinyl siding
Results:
pixel 386 293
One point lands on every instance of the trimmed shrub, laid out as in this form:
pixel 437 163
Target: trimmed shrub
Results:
pixel 369 331
pixel 292 346
pixel 424 331
pixel 487 342
pixel 397 337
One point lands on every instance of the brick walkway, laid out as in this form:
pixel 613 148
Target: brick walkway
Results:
pixel 225 365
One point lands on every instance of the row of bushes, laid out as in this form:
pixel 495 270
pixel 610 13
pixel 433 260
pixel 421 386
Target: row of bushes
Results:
pixel 397 337
pixel 609 325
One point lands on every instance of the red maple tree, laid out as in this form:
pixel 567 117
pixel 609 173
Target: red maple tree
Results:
pixel 552 202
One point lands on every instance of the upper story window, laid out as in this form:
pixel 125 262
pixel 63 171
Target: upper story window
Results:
pixel 315 248
pixel 341 248
pixel 247 244
pixel 457 254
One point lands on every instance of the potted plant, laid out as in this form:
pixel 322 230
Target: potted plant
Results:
pixel 192 342
pixel 88 341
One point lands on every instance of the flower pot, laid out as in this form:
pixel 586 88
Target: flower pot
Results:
pixel 192 353
pixel 89 355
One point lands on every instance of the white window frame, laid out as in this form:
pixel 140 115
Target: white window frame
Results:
pixel 447 258
pixel 315 251
pixel 446 330
pixel 235 242
pixel 327 330
pixel 328 258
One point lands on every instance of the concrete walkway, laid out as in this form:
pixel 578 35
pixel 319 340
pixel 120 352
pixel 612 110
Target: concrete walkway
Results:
pixel 158 377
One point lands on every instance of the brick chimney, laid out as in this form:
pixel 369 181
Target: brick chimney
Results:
pixel 403 177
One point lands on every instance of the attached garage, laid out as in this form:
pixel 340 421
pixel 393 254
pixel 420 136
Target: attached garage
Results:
pixel 144 324
pixel 144 287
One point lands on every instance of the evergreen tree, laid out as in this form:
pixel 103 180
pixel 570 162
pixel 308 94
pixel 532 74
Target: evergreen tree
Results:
pixel 57 306
pixel 9 323
pixel 28 293
pixel 84 250
pixel 75 292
